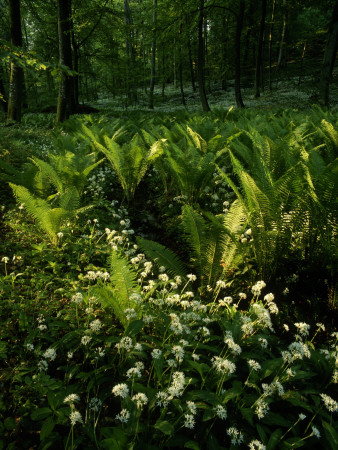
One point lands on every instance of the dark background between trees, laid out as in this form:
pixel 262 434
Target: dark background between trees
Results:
pixel 60 54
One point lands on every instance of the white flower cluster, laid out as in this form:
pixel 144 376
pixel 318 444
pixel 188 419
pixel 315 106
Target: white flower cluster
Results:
pixel 223 366
pixel 234 348
pixel 257 288
pixel 92 275
pixel 235 435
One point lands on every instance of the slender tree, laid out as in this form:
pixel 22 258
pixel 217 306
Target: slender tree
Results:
pixel 259 60
pixel 200 59
pixel 16 78
pixel 153 58
pixel 66 102
pixel 239 27
pixel 329 58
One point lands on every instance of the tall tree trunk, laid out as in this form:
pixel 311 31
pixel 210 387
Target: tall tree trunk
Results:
pixel 224 53
pixel 180 68
pixel 130 67
pixel 239 27
pixel 259 61
pixel 16 79
pixel 282 47
pixel 329 58
pixel 200 59
pixel 66 103
pixel 191 65
pixel 270 41
pixel 3 97
pixel 76 68
pixel 153 58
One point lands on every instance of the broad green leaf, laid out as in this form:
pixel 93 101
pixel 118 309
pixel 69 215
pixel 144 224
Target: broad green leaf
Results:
pixel 47 428
pixel 165 426
pixel 41 413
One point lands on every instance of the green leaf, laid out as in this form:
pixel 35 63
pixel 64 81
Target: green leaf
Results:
pixel 276 419
pixel 9 423
pixel 165 426
pixel 331 434
pixel 206 396
pixel 192 444
pixel 274 439
pixel 134 327
pixel 294 442
pixel 247 414
pixel 47 428
pixel 3 349
pixel 162 256
pixel 41 413
pixel 116 438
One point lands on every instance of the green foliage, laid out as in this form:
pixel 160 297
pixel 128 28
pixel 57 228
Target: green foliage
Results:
pixel 130 160
pixel 214 241
pixel 118 294
pixel 162 256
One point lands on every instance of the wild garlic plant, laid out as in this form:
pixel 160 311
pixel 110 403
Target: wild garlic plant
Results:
pixel 179 371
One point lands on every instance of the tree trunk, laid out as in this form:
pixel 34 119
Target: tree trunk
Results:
pixel 76 69
pixel 180 68
pixel 224 54
pixel 3 97
pixel 16 78
pixel 130 67
pixel 239 27
pixel 259 61
pixel 329 58
pixel 282 47
pixel 66 102
pixel 270 42
pixel 191 65
pixel 153 58
pixel 200 60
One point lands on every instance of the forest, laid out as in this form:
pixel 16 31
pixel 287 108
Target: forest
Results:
pixel 168 224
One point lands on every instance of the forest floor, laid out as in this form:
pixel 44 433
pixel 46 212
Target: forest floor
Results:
pixel 291 92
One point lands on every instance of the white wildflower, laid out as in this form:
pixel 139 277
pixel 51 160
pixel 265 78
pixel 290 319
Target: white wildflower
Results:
pixel 71 398
pixel 254 365
pixel 125 343
pixel 156 353
pixel 42 366
pixel 75 417
pixel 50 354
pixel 95 325
pixel 123 416
pixel 95 404
pixel 133 372
pixel 120 390
pixel 140 399
pixel 221 412
pixel 189 421
pixel 85 340
pixel 235 435
pixel 329 403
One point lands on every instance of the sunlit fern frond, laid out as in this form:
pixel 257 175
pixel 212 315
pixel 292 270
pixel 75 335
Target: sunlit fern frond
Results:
pixel 162 256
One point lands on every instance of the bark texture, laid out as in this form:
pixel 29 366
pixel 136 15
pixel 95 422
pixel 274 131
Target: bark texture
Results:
pixel 200 60
pixel 66 101
pixel 239 27
pixel 16 78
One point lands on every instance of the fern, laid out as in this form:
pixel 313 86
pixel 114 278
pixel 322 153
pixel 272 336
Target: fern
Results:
pixel 123 283
pixel 162 256
pixel 48 218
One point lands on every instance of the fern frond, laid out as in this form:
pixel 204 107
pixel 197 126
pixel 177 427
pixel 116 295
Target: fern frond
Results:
pixel 162 256
pixel 48 172
pixel 123 283
pixel 194 227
